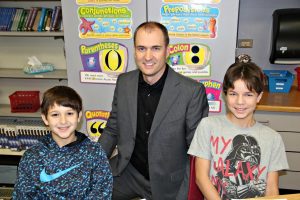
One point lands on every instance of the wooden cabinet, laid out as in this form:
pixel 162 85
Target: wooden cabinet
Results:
pixel 288 125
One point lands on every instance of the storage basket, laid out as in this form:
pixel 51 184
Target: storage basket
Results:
pixel 280 81
pixel 25 101
pixel 298 76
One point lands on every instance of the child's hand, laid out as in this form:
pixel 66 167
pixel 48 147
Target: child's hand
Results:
pixel 258 185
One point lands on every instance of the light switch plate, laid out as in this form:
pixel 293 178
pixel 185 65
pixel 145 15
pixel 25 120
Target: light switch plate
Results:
pixel 245 43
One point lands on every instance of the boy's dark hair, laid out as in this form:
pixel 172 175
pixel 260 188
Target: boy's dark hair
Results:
pixel 245 70
pixel 63 96
pixel 148 26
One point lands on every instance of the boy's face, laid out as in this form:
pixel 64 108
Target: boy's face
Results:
pixel 241 103
pixel 62 122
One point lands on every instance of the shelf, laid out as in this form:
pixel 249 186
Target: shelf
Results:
pixel 19 74
pixel 11 153
pixel 5 112
pixel 31 34
pixel 280 102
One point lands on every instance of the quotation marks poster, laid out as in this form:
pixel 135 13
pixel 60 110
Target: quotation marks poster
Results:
pixel 190 59
pixel 190 20
pixel 95 123
pixel 105 22
pixel 213 90
pixel 103 62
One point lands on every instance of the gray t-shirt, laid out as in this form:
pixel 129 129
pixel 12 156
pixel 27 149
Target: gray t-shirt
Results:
pixel 240 157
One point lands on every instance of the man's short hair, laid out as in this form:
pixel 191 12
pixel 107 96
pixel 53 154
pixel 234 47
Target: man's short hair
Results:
pixel 151 25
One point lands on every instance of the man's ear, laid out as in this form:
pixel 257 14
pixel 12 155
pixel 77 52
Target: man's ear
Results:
pixel 45 119
pixel 168 51
pixel 79 116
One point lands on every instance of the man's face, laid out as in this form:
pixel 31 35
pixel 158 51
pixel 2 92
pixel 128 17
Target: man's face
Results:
pixel 151 53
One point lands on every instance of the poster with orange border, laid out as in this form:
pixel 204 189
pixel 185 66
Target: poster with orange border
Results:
pixel 190 20
pixel 95 123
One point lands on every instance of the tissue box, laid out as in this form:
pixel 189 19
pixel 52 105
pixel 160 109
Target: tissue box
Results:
pixel 280 81
pixel 37 69
pixel 25 101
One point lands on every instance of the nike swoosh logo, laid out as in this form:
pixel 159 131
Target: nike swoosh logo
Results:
pixel 44 177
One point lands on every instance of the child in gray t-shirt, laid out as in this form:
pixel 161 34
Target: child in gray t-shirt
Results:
pixel 237 157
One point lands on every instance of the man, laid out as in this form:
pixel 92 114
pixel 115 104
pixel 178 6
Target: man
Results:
pixel 155 112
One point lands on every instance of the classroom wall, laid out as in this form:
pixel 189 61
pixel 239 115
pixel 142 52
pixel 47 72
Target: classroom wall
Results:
pixel 98 96
pixel 255 22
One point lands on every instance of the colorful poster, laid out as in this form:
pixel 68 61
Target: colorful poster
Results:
pixel 191 60
pixel 213 90
pixel 190 20
pixel 193 1
pixel 103 1
pixel 103 62
pixel 105 22
pixel 95 123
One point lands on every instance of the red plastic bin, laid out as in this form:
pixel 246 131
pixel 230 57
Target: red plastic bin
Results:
pixel 25 101
pixel 297 69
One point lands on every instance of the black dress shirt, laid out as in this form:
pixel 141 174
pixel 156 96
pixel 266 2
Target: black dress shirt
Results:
pixel 148 99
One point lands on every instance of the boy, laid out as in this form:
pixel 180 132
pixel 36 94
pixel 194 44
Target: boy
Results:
pixel 64 164
pixel 237 157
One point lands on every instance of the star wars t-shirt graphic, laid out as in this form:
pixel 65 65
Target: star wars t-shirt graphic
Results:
pixel 238 176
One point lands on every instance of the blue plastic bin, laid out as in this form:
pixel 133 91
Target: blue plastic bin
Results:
pixel 280 81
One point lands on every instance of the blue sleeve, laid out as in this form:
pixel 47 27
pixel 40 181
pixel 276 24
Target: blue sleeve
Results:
pixel 24 186
pixel 102 180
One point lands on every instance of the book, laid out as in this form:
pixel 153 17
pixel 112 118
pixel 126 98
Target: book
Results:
pixel 1 16
pixel 43 16
pixel 16 19
pixel 57 19
pixel 48 19
pixel 23 18
pixel 61 25
pixel 7 19
pixel 4 13
pixel 11 18
pixel 32 18
pixel 36 21
pixel 52 18
pixel 28 17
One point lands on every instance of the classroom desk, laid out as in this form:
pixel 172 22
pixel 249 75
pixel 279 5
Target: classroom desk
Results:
pixel 281 197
